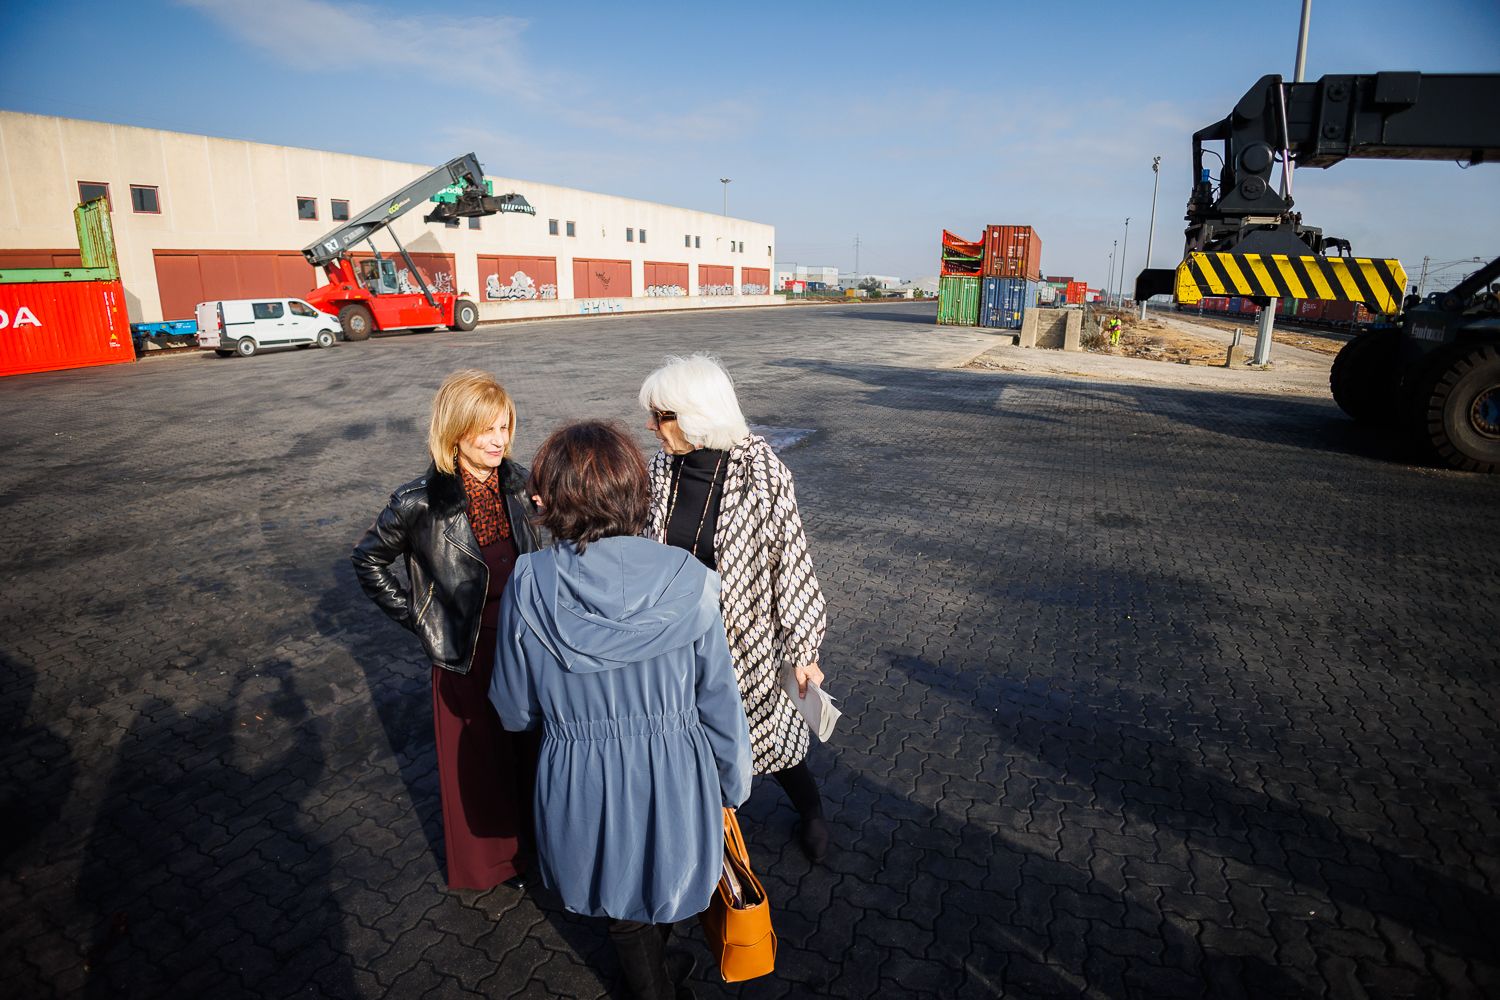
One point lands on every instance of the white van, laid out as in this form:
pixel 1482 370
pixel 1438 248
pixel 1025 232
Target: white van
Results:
pixel 244 326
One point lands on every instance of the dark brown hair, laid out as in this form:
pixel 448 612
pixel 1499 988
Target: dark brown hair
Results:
pixel 592 482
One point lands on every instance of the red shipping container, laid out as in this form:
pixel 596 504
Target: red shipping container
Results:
pixel 1012 252
pixel 50 325
pixel 1075 293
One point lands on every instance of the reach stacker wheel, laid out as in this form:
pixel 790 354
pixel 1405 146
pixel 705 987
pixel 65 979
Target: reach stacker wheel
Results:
pixel 356 321
pixel 1463 410
pixel 1366 379
pixel 465 315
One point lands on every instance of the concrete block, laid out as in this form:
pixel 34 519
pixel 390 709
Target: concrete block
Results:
pixel 1029 321
pixel 1051 327
pixel 1073 332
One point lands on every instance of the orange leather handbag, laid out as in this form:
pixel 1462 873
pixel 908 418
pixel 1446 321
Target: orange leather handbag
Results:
pixel 737 923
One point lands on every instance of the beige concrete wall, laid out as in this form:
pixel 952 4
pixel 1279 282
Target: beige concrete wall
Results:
pixel 225 194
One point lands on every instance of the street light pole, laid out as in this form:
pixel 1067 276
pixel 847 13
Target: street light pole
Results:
pixel 1109 284
pixel 1124 255
pixel 1151 231
pixel 725 181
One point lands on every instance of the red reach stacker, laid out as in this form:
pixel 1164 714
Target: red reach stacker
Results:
pixel 373 298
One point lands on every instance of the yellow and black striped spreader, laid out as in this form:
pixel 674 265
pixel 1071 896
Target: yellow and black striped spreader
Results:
pixel 1379 284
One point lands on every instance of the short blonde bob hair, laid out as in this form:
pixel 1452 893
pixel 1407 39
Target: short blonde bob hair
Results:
pixel 700 392
pixel 468 401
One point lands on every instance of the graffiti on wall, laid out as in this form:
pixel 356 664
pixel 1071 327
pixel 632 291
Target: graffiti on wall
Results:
pixel 665 291
pixel 440 281
pixel 521 287
pixel 715 289
pixel 592 306
pixel 754 290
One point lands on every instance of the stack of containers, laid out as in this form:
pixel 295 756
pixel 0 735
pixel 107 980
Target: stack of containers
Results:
pixel 958 281
pixel 67 317
pixel 1011 268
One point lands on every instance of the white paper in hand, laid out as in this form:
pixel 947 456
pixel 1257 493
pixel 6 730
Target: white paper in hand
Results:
pixel 817 708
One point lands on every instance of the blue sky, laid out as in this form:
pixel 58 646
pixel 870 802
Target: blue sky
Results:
pixel 884 120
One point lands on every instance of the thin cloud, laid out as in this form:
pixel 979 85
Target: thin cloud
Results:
pixel 319 36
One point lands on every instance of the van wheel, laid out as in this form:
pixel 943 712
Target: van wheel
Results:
pixel 245 347
pixel 357 321
pixel 465 315
pixel 325 338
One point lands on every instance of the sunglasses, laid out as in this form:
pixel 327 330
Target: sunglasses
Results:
pixel 662 416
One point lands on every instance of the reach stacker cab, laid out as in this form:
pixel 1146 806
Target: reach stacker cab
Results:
pixel 371 296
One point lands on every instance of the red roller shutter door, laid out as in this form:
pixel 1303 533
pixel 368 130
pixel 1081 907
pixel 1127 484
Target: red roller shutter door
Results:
pixel 665 280
pixel 39 258
pixel 186 277
pixel 601 279
pixel 755 281
pixel 715 279
pixel 507 278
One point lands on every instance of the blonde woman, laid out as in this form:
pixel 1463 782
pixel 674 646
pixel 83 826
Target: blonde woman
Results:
pixel 721 493
pixel 459 530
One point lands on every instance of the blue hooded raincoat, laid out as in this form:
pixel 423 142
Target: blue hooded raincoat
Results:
pixel 620 655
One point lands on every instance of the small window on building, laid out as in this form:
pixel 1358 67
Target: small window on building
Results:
pixel 687 241
pixel 551 227
pixel 768 251
pixel 266 310
pixel 629 235
pixel 307 208
pixel 742 246
pixel 144 200
pixel 571 230
pixel 697 243
pixel 643 236
pixel 474 222
pixel 89 190
pixel 302 309
pixel 338 209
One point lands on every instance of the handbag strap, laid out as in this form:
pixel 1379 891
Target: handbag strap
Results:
pixel 734 840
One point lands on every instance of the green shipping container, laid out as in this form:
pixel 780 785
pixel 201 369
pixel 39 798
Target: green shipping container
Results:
pixel 958 301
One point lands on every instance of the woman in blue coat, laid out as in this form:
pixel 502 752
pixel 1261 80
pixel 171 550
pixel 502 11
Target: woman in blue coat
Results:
pixel 613 645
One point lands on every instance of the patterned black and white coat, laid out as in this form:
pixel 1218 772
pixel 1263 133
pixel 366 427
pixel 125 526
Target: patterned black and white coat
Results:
pixel 774 614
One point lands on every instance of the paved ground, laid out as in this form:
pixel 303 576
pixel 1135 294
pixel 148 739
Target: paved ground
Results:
pixel 1150 691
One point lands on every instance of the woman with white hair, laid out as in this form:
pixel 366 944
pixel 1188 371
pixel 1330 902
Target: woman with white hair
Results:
pixel 721 493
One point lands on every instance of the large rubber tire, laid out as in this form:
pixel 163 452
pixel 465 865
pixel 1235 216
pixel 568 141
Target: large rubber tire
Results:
pixel 356 321
pixel 325 338
pixel 246 347
pixel 1463 410
pixel 1366 377
pixel 465 315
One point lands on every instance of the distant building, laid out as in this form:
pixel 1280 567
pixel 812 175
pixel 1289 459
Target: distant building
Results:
pixel 850 279
pixel 817 277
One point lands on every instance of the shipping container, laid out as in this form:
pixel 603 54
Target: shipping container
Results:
pixel 958 301
pixel 1002 302
pixel 1076 292
pixel 1012 252
pixel 962 247
pixel 46 326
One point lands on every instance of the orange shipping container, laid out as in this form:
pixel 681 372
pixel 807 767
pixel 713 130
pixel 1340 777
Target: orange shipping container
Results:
pixel 62 324
pixel 1012 252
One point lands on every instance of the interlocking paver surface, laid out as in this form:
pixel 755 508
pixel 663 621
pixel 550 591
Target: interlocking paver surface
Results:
pixel 1149 692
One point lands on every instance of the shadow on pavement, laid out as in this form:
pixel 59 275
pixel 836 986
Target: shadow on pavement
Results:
pixel 36 765
pixel 201 871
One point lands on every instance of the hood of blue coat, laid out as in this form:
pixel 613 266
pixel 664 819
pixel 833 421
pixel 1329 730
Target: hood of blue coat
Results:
pixel 621 601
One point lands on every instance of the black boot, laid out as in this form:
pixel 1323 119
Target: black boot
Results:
pixel 642 963
pixel 814 836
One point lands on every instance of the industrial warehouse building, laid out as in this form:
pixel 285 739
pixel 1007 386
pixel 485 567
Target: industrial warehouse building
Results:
pixel 198 218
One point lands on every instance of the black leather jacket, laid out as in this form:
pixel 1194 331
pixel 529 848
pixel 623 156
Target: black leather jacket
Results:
pixel 428 524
